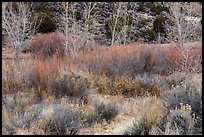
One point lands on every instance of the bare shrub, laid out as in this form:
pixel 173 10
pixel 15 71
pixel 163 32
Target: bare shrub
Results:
pixel 149 111
pixel 116 85
pixel 32 115
pixel 186 28
pixel 105 111
pixel 46 45
pixel 179 121
pixel 23 114
pixel 13 110
pixel 41 72
pixel 176 78
pixel 124 85
pixel 148 84
pixel 187 86
pixel 12 78
pixel 187 92
pixel 58 120
pixel 70 84
pixel 135 59
pixel 184 58
pixel 111 60
pixel 141 127
pixel 16 24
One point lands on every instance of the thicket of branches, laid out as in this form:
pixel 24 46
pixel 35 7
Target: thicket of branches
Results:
pixel 17 24
pixel 184 30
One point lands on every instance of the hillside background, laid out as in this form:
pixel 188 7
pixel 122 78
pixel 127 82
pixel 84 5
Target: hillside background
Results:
pixel 109 23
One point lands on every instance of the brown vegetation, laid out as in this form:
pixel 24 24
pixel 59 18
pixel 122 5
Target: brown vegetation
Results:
pixel 45 45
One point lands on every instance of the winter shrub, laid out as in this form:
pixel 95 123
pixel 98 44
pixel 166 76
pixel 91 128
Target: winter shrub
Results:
pixel 141 127
pixel 46 45
pixel 41 71
pixel 69 84
pixel 176 78
pixel 10 81
pixel 32 115
pixel 130 59
pixel 187 91
pixel 14 112
pixel 52 119
pixel 58 120
pixel 194 85
pixel 149 111
pixel 158 80
pixel 12 78
pixel 124 85
pixel 184 57
pixel 148 85
pixel 24 114
pixel 104 110
pixel 116 85
pixel 179 121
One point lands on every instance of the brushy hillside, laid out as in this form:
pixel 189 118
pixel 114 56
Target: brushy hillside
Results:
pixel 112 93
pixel 98 68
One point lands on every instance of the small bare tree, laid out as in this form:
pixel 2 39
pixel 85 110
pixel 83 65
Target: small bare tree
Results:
pixel 186 22
pixel 186 28
pixel 115 22
pixel 121 22
pixel 92 26
pixel 76 32
pixel 122 36
pixel 16 24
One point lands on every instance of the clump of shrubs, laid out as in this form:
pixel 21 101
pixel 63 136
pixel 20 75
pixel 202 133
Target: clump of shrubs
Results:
pixel 116 85
pixel 41 72
pixel 58 120
pixel 187 91
pixel 102 111
pixel 46 45
pixel 52 119
pixel 106 111
pixel 176 78
pixel 48 77
pixel 12 80
pixel 149 113
pixel 142 127
pixel 69 84
pixel 179 121
pixel 123 85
